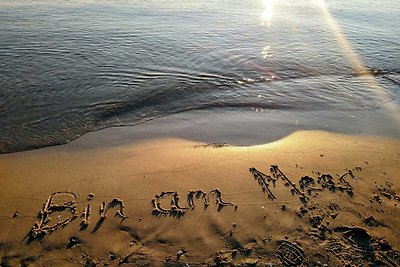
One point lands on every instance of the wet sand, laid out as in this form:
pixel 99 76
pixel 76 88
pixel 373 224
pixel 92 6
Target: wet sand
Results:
pixel 311 198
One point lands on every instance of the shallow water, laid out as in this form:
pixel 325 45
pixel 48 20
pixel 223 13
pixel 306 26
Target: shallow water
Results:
pixel 69 67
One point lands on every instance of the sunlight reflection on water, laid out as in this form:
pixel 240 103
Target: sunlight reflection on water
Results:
pixel 267 14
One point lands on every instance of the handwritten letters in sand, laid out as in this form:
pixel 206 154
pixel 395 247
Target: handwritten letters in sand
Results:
pixel 63 207
pixel 306 184
pixel 63 204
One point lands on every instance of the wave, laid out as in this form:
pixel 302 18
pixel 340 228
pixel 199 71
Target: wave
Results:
pixel 297 95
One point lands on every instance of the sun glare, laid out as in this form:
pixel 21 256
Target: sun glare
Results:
pixel 267 14
pixel 357 63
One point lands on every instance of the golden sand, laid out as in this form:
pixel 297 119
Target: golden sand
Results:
pixel 312 198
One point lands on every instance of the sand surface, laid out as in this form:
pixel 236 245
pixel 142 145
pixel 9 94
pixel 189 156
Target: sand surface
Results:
pixel 309 199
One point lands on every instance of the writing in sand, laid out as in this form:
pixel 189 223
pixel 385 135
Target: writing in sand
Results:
pixel 63 203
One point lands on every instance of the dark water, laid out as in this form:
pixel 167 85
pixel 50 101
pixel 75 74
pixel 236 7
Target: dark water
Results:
pixel 69 67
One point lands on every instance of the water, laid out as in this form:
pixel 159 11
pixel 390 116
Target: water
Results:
pixel 69 67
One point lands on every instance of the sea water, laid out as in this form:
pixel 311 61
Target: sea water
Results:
pixel 68 67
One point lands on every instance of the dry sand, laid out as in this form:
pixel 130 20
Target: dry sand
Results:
pixel 81 205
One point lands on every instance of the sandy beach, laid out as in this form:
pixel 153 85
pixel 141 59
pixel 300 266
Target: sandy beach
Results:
pixel 309 199
pixel 200 133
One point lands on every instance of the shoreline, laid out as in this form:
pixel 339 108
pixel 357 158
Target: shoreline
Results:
pixel 245 226
pixel 236 127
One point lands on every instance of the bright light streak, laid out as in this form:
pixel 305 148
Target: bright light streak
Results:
pixel 357 63
pixel 267 14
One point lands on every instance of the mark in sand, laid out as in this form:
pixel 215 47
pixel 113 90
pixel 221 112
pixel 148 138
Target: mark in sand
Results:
pixel 41 227
pixel 177 211
pixel 290 254
pixel 263 180
pixel 306 183
pixel 103 212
